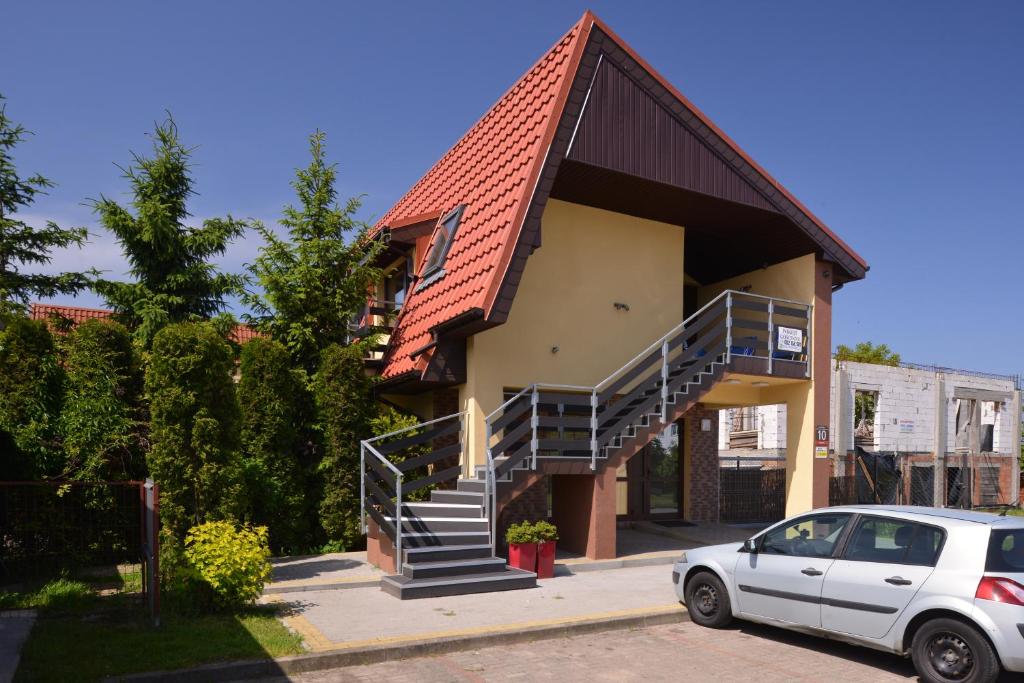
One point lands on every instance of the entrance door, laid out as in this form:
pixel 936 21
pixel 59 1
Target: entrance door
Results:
pixel 650 485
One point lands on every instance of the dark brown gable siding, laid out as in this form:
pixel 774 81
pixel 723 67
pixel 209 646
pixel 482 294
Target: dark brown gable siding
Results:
pixel 624 128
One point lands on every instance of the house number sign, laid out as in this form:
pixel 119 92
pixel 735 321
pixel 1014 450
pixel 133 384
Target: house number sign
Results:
pixel 790 339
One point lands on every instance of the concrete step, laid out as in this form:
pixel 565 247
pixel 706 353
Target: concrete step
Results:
pixel 404 588
pixel 433 509
pixel 446 553
pixel 442 524
pixel 420 539
pixel 459 497
pixel 472 485
pixel 479 565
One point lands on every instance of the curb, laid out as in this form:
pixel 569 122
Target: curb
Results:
pixel 408 649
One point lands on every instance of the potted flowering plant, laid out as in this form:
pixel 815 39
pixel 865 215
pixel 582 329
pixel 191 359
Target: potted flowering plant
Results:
pixel 546 534
pixel 522 546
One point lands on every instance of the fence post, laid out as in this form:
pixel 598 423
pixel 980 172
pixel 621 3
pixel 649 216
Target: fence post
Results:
pixel 152 547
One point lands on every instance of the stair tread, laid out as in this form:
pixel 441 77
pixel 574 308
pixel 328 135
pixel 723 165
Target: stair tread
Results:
pixel 440 564
pixel 459 520
pixel 445 505
pixel 447 548
pixel 510 574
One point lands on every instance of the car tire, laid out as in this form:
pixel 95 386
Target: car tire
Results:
pixel 707 601
pixel 953 651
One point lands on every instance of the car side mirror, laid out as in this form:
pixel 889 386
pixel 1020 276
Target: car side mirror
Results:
pixel 750 546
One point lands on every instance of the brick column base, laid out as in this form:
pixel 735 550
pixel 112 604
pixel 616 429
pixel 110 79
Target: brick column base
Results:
pixel 380 551
pixel 583 507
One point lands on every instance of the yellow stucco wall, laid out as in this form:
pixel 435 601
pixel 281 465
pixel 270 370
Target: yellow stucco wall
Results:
pixel 589 260
pixel 794 280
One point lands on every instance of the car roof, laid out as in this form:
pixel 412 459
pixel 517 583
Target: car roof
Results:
pixel 925 514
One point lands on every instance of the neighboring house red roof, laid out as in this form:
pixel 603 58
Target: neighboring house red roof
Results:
pixel 494 170
pixel 78 315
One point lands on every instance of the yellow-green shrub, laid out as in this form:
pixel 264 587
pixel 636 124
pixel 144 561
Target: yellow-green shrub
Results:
pixel 233 562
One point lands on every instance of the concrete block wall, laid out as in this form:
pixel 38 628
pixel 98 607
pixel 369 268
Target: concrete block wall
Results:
pixel 771 422
pixel 906 412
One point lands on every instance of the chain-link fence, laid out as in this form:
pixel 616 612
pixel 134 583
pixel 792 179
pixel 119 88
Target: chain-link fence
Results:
pixel 961 480
pixel 102 534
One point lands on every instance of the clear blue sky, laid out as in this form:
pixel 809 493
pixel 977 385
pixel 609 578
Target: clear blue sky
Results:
pixel 901 124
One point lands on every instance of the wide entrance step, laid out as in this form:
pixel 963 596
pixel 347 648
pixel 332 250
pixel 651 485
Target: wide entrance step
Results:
pixel 446 549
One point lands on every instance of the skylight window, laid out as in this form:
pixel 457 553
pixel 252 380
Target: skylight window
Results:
pixel 444 235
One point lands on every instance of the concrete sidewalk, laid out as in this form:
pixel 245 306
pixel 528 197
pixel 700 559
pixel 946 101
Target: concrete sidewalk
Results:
pixel 15 625
pixel 637 547
pixel 368 617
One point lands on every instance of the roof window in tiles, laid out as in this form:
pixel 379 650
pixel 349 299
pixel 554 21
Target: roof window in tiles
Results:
pixel 444 235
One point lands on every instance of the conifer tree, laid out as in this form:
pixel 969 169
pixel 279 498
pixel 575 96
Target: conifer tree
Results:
pixel 170 261
pixel 21 244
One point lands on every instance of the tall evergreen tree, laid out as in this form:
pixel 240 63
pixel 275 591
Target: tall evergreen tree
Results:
pixel 20 243
pixel 170 261
pixel 194 428
pixel 314 279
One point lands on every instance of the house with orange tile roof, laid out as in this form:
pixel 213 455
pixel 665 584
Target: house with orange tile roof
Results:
pixel 571 294
pixel 72 316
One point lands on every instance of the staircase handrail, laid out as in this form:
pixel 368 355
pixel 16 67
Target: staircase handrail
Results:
pixel 366 445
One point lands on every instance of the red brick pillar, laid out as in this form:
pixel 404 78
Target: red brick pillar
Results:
pixel 380 551
pixel 703 453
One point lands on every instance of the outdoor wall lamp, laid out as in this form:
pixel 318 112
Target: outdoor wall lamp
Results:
pixel 619 306
pixel 554 349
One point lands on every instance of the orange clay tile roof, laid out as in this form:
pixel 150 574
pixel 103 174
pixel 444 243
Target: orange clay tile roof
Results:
pixel 78 315
pixel 492 170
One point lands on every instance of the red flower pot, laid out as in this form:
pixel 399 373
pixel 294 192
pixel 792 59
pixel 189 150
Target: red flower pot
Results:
pixel 523 556
pixel 545 559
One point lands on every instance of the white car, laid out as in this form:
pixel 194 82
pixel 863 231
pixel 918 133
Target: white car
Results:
pixel 945 587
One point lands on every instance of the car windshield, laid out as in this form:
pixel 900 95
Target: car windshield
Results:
pixel 1006 551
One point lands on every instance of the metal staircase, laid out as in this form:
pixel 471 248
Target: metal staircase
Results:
pixel 447 546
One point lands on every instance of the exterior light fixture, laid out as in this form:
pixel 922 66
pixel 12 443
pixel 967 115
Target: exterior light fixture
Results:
pixel 620 306
pixel 760 384
pixel 733 381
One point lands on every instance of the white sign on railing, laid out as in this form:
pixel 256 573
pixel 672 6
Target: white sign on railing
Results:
pixel 790 339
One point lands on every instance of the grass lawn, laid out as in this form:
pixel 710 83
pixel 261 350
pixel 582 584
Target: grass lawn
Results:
pixel 88 647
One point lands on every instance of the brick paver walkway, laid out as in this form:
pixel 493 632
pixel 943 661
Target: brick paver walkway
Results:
pixel 679 652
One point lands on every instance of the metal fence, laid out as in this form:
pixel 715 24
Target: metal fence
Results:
pixel 961 480
pixel 751 489
pixel 100 533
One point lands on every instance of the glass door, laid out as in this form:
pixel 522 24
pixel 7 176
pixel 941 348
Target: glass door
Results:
pixel 663 476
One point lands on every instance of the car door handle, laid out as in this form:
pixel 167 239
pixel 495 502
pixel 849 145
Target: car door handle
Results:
pixel 811 571
pixel 898 581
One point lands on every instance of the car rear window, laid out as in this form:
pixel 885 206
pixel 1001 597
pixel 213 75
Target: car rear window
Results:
pixel 1006 551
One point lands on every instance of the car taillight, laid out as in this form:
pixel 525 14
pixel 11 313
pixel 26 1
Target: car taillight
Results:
pixel 999 589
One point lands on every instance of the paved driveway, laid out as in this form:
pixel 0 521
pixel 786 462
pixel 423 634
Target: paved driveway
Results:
pixel 679 652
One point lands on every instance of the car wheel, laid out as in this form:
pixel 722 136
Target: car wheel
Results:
pixel 953 651
pixel 707 601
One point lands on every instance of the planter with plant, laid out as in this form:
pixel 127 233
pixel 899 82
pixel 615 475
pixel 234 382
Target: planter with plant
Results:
pixel 522 546
pixel 546 534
